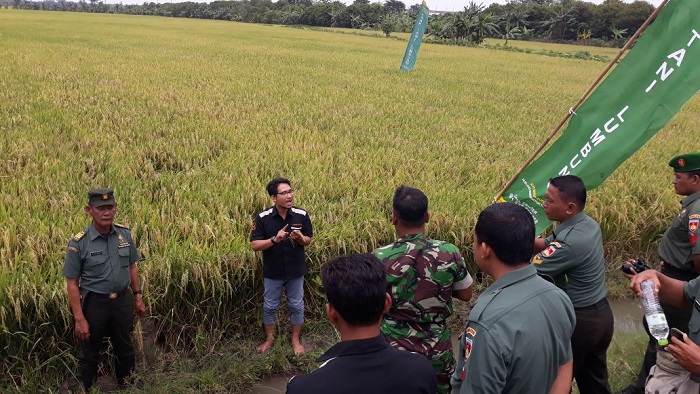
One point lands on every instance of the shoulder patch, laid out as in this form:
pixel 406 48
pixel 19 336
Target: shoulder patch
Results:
pixel 72 249
pixel 694 216
pixel 79 235
pixel 549 251
pixel 693 225
pixel 265 213
pixel 299 211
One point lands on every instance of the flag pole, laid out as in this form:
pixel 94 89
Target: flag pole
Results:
pixel 583 98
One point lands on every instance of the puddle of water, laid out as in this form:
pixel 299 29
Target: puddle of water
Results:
pixel 271 385
pixel 628 314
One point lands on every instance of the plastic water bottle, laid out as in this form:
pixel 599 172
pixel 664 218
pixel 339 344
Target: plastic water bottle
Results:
pixel 658 327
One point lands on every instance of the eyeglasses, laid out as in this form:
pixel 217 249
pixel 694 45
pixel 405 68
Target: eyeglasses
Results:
pixel 285 192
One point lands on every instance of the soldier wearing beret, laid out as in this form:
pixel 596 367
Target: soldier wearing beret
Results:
pixel 679 251
pixel 103 287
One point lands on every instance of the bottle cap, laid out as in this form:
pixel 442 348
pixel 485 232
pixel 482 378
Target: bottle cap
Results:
pixel 663 342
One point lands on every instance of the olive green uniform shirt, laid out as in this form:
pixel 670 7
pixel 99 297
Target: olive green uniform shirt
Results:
pixel 101 262
pixel 680 241
pixel 574 259
pixel 517 336
pixel 692 295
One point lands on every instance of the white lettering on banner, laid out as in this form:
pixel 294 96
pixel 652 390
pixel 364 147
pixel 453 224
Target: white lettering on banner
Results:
pixel 664 71
pixel 596 138
pixel 514 198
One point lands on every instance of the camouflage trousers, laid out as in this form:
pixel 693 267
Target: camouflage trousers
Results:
pixel 440 355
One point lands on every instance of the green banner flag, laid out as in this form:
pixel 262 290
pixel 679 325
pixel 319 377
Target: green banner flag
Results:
pixel 409 58
pixel 646 89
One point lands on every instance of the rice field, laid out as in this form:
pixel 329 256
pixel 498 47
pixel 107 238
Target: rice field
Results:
pixel 188 119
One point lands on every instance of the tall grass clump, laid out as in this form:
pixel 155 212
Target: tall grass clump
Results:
pixel 188 119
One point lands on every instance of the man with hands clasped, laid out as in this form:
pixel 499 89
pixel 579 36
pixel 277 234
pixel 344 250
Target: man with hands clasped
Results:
pixel 281 232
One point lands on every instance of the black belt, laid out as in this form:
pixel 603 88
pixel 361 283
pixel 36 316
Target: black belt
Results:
pixel 597 305
pixel 108 296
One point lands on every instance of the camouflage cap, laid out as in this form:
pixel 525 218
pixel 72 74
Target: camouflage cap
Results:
pixel 686 162
pixel 100 197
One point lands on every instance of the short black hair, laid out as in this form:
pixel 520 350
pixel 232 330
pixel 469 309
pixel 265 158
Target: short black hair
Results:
pixel 571 188
pixel 410 206
pixel 273 184
pixel 355 285
pixel 509 230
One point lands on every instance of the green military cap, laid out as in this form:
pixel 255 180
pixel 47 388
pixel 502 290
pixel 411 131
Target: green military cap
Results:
pixel 686 162
pixel 100 197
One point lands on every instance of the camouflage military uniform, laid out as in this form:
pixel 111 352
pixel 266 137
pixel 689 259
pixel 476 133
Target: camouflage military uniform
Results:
pixel 422 273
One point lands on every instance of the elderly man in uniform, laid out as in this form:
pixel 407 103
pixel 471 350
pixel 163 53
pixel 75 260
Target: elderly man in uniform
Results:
pixel 679 251
pixel 518 336
pixel 363 362
pixel 424 275
pixel 281 232
pixel 103 287
pixel 573 256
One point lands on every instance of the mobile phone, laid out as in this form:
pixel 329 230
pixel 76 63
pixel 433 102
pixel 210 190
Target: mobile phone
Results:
pixel 677 333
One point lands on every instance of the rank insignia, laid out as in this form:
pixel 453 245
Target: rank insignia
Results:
pixel 105 197
pixel 254 225
pixel 79 235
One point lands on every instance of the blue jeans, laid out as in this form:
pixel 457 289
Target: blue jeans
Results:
pixel 295 299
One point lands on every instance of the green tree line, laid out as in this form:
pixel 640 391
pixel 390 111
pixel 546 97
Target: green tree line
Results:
pixel 606 24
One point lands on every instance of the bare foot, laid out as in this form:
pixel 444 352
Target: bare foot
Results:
pixel 265 346
pixel 298 348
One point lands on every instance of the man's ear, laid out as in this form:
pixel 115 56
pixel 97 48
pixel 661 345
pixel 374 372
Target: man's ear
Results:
pixel 484 250
pixel 332 314
pixel 571 207
pixel 427 216
pixel 387 302
pixel 87 209
pixel 394 219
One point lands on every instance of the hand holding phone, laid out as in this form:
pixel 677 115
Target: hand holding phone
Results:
pixel 677 333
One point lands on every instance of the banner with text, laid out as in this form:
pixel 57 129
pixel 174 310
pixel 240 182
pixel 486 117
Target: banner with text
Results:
pixel 409 58
pixel 646 89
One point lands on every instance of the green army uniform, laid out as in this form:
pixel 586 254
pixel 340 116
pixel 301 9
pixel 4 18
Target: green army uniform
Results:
pixel 422 273
pixel 517 336
pixel 680 241
pixel 678 244
pixel 574 258
pixel 102 263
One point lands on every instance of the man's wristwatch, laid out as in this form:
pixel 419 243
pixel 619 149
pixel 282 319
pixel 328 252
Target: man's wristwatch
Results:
pixel 273 240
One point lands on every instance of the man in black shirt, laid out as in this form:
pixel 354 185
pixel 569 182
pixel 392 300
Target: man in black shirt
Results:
pixel 281 232
pixel 363 362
